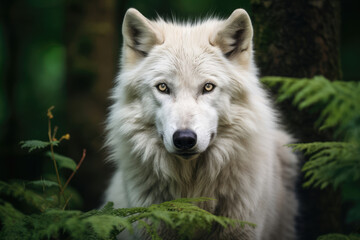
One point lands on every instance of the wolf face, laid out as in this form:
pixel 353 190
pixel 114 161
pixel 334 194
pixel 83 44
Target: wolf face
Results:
pixel 186 116
pixel 172 74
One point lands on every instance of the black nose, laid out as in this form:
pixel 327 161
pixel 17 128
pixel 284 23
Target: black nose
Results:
pixel 184 139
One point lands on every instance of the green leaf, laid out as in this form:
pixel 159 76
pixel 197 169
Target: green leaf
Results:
pixel 62 161
pixel 43 183
pixel 36 144
pixel 19 191
pixel 181 215
pixel 337 236
pixel 12 225
pixel 113 222
pixel 8 214
pixel 338 100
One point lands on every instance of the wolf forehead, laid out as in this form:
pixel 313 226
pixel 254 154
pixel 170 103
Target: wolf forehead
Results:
pixel 178 44
pixel 231 38
pixel 138 30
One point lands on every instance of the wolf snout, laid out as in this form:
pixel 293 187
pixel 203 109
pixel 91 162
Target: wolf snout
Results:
pixel 184 139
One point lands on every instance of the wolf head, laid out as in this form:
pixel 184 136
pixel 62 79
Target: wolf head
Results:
pixel 179 82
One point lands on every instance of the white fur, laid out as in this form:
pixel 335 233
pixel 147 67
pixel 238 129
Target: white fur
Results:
pixel 241 160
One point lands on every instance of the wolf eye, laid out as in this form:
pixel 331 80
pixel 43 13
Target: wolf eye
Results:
pixel 208 87
pixel 162 87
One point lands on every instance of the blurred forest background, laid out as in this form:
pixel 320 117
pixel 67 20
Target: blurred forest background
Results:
pixel 66 53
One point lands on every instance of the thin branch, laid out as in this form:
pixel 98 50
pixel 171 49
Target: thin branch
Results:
pixel 53 156
pixel 73 173
pixel 67 202
pixel 54 134
pixel 50 116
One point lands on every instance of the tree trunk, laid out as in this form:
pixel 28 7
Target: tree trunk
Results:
pixel 300 38
pixel 91 41
pixel 297 38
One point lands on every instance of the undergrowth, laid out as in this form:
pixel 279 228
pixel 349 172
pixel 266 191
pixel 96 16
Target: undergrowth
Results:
pixel 41 209
pixel 335 163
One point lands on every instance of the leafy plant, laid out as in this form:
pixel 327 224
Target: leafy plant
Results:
pixel 334 163
pixel 40 209
pixel 339 237
pixel 59 162
pixel 106 223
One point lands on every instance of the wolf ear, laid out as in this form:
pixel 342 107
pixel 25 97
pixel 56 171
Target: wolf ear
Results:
pixel 139 33
pixel 234 37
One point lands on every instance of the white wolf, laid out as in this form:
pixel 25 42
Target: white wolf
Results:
pixel 190 119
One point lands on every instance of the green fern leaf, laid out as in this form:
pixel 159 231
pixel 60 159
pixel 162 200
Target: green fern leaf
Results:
pixel 62 161
pixel 12 225
pixel 150 229
pixel 19 191
pixel 336 236
pixel 42 183
pixel 36 144
pixel 111 223
pixel 8 214
pixel 180 215
pixel 339 101
pixel 329 163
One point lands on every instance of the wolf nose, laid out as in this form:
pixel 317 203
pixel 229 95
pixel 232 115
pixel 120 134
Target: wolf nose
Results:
pixel 184 139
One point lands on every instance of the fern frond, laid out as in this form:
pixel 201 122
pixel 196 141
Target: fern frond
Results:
pixel 180 215
pixel 9 214
pixel 336 236
pixel 42 183
pixel 36 144
pixel 112 223
pixel 329 163
pixel 19 191
pixel 56 223
pixel 339 100
pixel 187 218
pixel 12 223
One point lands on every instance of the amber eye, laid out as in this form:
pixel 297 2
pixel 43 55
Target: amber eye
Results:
pixel 162 87
pixel 208 87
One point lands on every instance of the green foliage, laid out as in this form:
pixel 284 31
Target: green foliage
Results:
pixel 329 163
pixel 181 215
pixel 39 209
pixel 334 163
pixel 339 237
pixel 43 183
pixel 63 161
pixel 19 191
pixel 36 144
pixel 338 101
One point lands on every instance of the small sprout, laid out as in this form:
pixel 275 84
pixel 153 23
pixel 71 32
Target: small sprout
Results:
pixel 66 137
